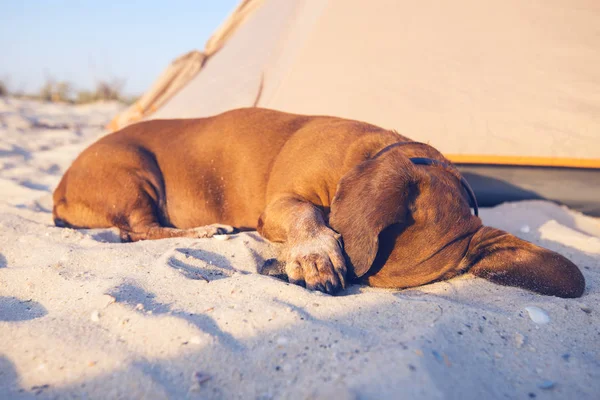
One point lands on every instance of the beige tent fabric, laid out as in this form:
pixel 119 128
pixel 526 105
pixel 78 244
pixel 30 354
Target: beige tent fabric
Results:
pixel 510 78
pixel 176 76
pixel 233 77
pixel 497 80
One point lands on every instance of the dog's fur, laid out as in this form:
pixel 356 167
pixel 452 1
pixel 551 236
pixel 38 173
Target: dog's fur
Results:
pixel 345 204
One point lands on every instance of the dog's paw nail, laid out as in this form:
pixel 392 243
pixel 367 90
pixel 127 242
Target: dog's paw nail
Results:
pixel 342 281
pixel 297 282
pixel 329 287
pixel 319 287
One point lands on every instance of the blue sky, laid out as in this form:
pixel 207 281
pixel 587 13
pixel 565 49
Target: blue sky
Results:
pixel 83 41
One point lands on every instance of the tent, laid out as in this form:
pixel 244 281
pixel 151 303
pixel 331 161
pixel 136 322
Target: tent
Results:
pixel 508 90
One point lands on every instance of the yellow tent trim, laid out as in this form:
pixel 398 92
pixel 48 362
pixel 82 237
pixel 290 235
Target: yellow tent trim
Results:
pixel 524 161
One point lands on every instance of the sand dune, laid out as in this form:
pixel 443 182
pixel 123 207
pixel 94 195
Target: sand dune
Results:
pixel 83 315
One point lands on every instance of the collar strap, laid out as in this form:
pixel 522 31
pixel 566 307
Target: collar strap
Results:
pixel 463 181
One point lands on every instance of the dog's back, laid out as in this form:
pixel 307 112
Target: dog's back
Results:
pixel 198 171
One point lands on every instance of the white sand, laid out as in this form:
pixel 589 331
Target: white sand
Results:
pixel 82 315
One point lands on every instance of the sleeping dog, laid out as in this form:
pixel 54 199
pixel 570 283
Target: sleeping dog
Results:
pixel 349 200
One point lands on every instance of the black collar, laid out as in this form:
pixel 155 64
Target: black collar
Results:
pixel 463 181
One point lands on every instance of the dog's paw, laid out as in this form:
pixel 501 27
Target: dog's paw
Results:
pixel 209 231
pixel 317 263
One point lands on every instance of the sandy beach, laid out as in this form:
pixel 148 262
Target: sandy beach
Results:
pixel 85 316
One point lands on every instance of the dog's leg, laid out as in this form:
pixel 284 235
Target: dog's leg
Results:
pixel 123 191
pixel 313 251
pixel 142 223
pixel 155 231
pixel 136 217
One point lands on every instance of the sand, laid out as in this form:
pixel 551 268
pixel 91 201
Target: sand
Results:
pixel 85 316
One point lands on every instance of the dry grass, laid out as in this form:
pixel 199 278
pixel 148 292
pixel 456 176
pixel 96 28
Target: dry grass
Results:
pixel 3 88
pixel 104 91
pixel 56 92
pixel 64 92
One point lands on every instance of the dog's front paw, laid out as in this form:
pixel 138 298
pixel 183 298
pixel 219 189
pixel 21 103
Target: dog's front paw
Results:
pixel 317 263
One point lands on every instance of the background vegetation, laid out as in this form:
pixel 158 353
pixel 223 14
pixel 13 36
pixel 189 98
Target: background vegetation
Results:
pixel 64 92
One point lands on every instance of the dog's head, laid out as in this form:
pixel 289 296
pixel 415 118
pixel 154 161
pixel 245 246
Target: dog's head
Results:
pixel 405 225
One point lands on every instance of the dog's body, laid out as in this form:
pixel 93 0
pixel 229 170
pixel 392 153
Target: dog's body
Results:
pixel 309 182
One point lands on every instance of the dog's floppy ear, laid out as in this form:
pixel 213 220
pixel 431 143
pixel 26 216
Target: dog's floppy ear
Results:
pixel 372 196
pixel 505 259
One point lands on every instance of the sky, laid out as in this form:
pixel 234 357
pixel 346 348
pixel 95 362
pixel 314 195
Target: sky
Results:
pixel 88 40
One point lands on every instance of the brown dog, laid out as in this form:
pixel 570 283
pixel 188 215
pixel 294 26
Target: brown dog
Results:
pixel 308 181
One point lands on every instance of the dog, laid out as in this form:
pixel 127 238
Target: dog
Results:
pixel 351 202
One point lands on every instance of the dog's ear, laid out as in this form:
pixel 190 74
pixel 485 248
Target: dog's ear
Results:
pixel 369 198
pixel 505 259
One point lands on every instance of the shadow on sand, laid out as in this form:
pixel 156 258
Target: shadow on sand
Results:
pixel 14 309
